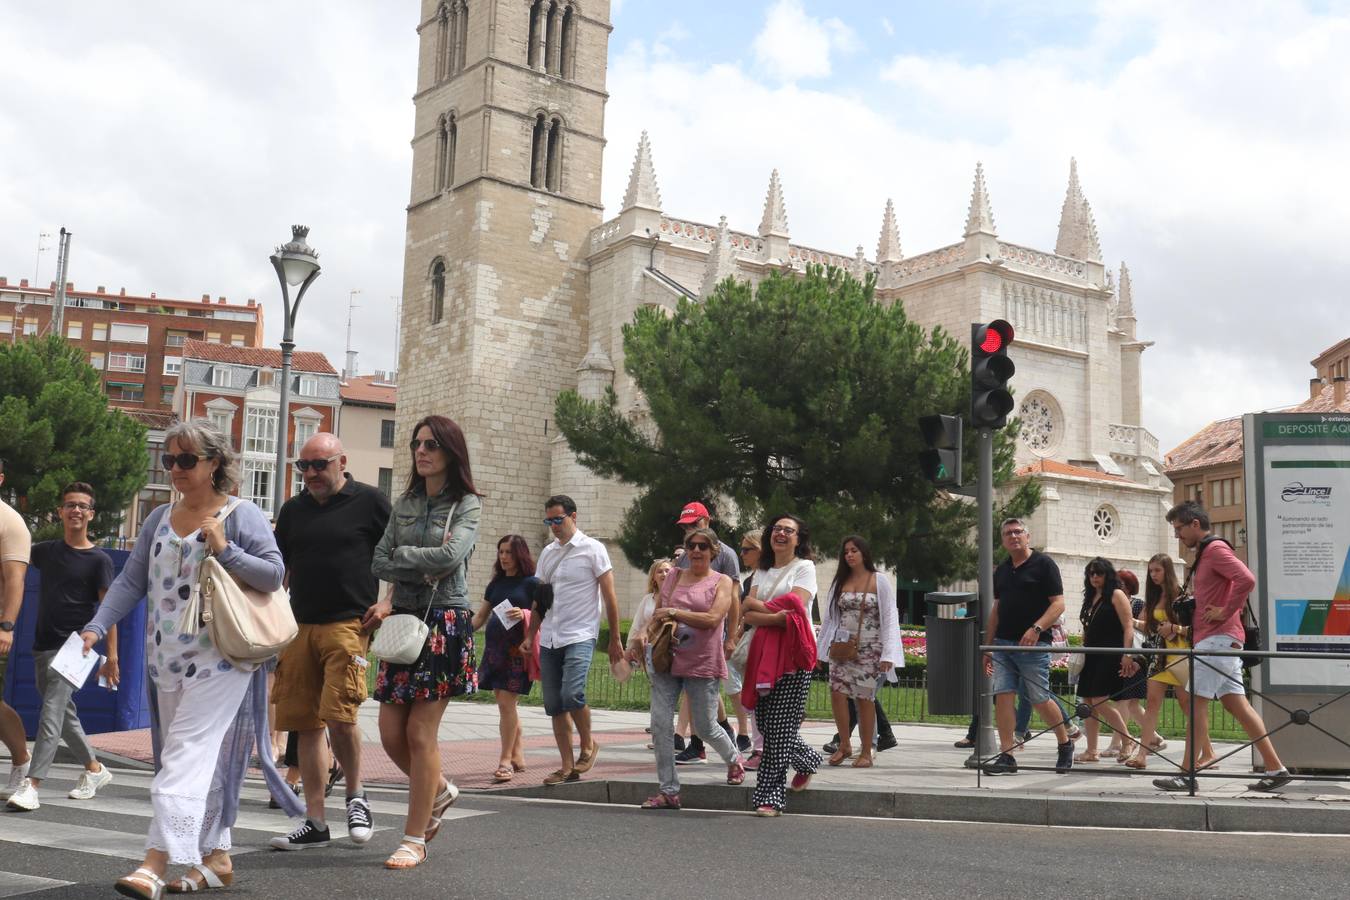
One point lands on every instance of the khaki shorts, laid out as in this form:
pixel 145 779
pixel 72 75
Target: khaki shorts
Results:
pixel 321 676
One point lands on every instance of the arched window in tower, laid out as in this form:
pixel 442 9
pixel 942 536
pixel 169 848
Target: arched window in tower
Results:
pixel 539 152
pixel 437 291
pixel 554 172
pixel 442 42
pixel 534 53
pixel 552 32
pixel 567 47
pixel 461 35
pixel 445 153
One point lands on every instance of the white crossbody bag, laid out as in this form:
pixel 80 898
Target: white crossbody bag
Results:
pixel 402 637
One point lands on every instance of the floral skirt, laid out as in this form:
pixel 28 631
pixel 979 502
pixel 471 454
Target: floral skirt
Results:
pixel 503 667
pixel 445 669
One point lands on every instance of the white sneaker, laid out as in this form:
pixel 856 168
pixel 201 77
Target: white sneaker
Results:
pixel 89 784
pixel 17 776
pixel 25 799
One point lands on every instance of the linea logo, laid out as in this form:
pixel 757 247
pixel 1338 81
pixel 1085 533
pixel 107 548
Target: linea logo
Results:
pixel 1296 490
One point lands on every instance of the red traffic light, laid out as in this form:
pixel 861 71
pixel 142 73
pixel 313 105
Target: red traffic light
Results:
pixel 997 335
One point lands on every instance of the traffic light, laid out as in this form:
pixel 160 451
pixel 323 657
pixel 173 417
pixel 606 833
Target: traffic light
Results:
pixel 990 369
pixel 941 463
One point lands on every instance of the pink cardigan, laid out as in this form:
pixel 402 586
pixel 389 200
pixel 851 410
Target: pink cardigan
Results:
pixel 774 651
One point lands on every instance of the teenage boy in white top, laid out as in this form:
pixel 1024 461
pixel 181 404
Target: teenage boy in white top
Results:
pixel 578 570
pixel 693 517
pixel 75 576
pixel 15 543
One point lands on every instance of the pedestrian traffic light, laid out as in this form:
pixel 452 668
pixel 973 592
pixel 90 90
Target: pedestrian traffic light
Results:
pixel 941 462
pixel 990 369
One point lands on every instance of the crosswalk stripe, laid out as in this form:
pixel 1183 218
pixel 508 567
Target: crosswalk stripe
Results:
pixel 12 884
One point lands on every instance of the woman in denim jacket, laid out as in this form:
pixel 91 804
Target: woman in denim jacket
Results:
pixel 427 563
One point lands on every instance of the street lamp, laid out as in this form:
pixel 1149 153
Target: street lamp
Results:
pixel 296 263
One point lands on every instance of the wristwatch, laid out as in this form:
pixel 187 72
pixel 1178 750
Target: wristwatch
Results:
pixel 6 626
pixel 1038 629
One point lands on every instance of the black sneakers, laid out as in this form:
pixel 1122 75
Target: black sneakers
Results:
pixel 743 743
pixel 1273 781
pixel 303 838
pixel 1064 757
pixel 1005 764
pixel 887 742
pixel 690 756
pixel 360 823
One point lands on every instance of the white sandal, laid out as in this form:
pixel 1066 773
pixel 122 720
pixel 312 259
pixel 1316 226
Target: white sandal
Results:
pixel 132 885
pixel 210 879
pixel 406 855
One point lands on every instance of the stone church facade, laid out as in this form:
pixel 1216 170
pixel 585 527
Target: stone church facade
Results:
pixel 517 287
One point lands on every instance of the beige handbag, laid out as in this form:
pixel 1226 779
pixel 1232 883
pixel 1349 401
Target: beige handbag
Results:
pixel 247 626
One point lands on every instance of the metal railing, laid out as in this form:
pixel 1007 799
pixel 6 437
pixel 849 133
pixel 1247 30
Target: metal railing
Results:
pixel 1187 768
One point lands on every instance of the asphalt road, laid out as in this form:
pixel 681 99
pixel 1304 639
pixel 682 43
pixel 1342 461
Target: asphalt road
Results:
pixel 513 848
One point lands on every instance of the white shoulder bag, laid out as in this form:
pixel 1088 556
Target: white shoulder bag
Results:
pixel 247 626
pixel 402 637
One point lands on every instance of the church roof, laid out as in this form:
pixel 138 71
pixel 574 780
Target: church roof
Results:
pixel 1052 467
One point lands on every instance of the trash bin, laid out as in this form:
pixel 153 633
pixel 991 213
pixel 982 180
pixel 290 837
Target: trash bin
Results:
pixel 100 710
pixel 950 624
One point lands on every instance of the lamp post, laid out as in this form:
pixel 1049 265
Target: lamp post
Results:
pixel 296 263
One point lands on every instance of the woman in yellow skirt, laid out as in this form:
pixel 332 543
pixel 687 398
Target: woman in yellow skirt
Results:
pixel 1165 671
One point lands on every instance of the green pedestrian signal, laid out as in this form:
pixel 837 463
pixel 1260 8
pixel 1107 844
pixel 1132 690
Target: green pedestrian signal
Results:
pixel 941 462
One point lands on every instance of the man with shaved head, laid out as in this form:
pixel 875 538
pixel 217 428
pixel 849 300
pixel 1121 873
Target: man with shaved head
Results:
pixel 327 534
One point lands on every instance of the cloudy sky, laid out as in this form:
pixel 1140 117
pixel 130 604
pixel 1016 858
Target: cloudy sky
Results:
pixel 180 140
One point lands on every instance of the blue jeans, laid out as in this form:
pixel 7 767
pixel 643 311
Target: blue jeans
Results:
pixel 702 694
pixel 562 676
pixel 1022 673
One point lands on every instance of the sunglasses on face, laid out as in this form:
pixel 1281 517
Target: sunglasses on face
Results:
pixel 429 445
pixel 698 545
pixel 184 461
pixel 554 520
pixel 318 465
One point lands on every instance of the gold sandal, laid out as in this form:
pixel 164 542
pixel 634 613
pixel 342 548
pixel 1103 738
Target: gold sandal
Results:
pixel 142 884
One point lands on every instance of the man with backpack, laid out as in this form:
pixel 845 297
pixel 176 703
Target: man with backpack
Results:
pixel 1220 584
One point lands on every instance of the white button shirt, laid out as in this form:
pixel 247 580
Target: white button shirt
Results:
pixel 575 615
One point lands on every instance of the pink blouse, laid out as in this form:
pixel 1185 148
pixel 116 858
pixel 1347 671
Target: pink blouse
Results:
pixel 699 652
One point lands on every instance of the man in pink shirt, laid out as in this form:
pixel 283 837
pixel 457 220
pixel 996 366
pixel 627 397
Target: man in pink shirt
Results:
pixel 1220 583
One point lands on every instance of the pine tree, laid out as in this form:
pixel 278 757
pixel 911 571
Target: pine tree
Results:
pixel 56 427
pixel 802 396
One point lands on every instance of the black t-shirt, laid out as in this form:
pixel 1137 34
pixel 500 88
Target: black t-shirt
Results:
pixel 328 548
pixel 71 580
pixel 1023 594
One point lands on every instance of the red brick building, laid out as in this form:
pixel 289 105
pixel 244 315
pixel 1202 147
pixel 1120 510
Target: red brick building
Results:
pixel 134 342
pixel 239 389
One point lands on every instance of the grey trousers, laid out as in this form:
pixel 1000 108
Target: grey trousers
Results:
pixel 59 719
pixel 702 716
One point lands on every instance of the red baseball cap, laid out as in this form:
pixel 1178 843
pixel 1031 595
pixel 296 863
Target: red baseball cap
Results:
pixel 692 512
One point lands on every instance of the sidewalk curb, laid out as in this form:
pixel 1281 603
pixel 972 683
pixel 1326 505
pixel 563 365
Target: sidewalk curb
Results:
pixel 1003 807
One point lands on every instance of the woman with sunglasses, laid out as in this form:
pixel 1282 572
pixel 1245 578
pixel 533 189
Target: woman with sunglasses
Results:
pixel 861 618
pixel 505 666
pixel 425 554
pixel 782 657
pixel 697 600
pixel 1107 622
pixel 198 697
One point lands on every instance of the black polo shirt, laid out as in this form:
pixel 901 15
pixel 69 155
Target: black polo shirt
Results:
pixel 328 548
pixel 1023 594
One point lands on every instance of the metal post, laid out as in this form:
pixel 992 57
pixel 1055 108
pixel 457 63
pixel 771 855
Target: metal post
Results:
pixel 287 348
pixel 1193 751
pixel 986 745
